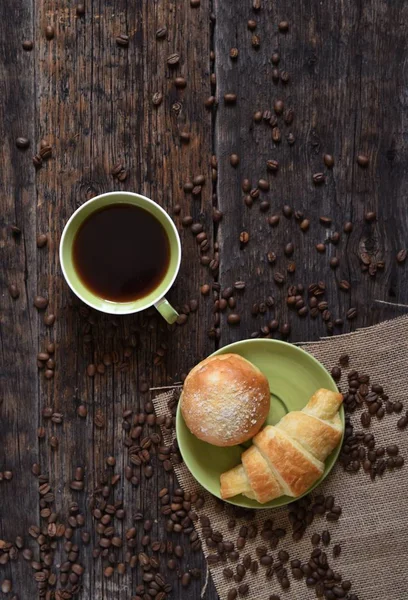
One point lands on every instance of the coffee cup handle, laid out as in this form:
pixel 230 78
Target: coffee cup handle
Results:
pixel 166 310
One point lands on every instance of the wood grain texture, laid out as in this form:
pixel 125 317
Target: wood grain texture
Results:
pixel 347 100
pixel 92 100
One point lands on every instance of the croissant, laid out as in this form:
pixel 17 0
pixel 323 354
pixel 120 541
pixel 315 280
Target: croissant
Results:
pixel 288 458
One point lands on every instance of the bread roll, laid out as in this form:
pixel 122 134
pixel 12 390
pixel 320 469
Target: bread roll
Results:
pixel 225 400
pixel 289 457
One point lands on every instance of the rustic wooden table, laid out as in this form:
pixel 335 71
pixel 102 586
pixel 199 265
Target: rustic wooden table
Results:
pixel 92 100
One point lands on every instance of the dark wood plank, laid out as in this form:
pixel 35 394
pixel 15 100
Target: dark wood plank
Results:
pixel 92 100
pixel 19 321
pixel 96 110
pixel 347 101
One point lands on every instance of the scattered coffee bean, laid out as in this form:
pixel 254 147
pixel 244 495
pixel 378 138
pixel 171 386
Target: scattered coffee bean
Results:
pixel 283 26
pixel 305 224
pixel 328 160
pixel 40 302
pixel 230 98
pixel 42 240
pixel 363 160
pixel 402 256
pixel 49 32
pixel 22 143
pixel 370 216
pixel 28 45
pixel 14 291
pixel 318 178
pixel 157 98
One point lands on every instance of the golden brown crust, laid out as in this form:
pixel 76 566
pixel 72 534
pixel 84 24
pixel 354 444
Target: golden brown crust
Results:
pixel 297 467
pixel 261 479
pixel 288 458
pixel 234 482
pixel 225 400
pixel 317 436
pixel 324 404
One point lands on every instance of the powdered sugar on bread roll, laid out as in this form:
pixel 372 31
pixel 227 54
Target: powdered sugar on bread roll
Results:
pixel 225 400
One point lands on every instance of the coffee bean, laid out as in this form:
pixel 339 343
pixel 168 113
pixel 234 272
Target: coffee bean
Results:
pixel 14 291
pixel 392 450
pixel 351 313
pixel 320 247
pixel 289 249
pixel 363 160
pixel 37 161
pixel 305 224
pixel 232 594
pixel 402 256
pixel 328 160
pixel 399 461
pixel 157 98
pixel 365 419
pixel 273 220
pixel 289 114
pixel 233 319
pixel 326 537
pixel 318 178
pixel 45 151
pixel 344 360
pixel 243 589
pixel 40 302
pixel 276 135
pixel 187 221
pixel 255 41
pixel 344 285
pixel 251 24
pixel 370 216
pixel 173 59
pixel 234 160
pixel 279 278
pixel 28 45
pixel 185 137
pixel 271 257
pixel 278 107
pixel 230 98
pixel 22 143
pixel 336 373
pixel 41 240
pixel 348 227
pixel 272 165
pixel 6 586
pixel 283 26
pixel 49 32
pixel 285 329
pixel 397 407
pixel 244 237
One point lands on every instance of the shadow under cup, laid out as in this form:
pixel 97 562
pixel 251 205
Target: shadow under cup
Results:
pixel 67 263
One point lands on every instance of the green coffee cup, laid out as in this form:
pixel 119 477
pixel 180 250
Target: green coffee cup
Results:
pixel 156 297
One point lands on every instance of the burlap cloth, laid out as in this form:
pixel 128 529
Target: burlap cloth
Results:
pixel 373 528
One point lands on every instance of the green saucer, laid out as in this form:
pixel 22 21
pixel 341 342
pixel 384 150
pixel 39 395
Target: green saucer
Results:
pixel 294 376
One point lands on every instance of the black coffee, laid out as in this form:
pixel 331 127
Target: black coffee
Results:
pixel 121 253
